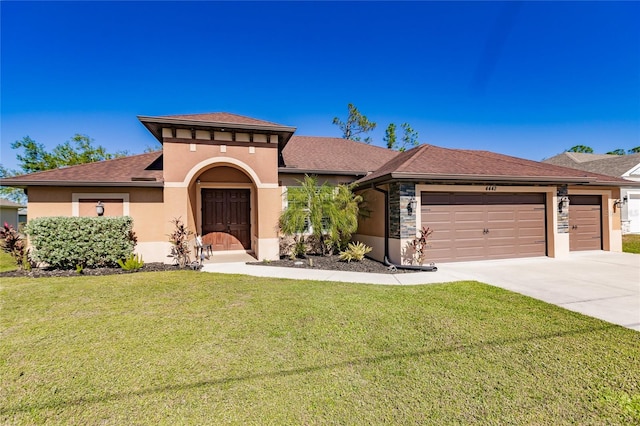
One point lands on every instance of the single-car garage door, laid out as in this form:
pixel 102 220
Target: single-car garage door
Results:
pixel 473 226
pixel 585 222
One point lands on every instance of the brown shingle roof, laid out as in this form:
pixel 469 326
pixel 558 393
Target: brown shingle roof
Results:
pixel 222 117
pixel 612 165
pixel 432 162
pixel 321 154
pixel 136 170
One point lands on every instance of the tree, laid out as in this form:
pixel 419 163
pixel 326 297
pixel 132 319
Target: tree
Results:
pixel 78 150
pixel 581 148
pixel 356 124
pixel 634 150
pixel 329 213
pixel 390 137
pixel 618 151
pixel 409 137
pixel 16 195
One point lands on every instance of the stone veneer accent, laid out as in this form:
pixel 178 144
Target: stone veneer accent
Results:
pixel 402 224
pixel 563 210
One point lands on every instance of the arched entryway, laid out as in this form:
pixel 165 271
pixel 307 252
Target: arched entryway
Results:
pixel 224 197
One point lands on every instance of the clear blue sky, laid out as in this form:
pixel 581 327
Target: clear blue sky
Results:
pixel 524 79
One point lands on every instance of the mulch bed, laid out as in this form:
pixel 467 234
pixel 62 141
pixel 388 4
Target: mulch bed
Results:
pixel 333 263
pixel 44 272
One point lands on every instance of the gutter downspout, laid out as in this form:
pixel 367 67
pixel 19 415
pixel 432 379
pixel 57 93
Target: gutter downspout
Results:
pixel 387 262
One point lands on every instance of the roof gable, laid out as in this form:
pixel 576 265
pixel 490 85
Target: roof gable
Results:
pixel 221 117
pixel 311 154
pixel 136 170
pixel 432 162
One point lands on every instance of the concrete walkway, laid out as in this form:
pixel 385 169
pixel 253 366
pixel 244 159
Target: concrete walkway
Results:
pixel 600 284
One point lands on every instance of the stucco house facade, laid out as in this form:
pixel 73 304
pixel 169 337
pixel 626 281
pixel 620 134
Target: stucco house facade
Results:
pixel 624 166
pixel 226 176
pixel 10 212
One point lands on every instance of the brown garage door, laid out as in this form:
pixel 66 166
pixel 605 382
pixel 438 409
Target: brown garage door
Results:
pixel 585 222
pixel 470 226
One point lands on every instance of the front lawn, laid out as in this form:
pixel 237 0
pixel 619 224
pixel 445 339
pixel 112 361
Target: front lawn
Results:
pixel 6 262
pixel 197 348
pixel 631 243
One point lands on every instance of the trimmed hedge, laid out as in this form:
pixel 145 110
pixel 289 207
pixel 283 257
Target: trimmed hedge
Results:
pixel 69 242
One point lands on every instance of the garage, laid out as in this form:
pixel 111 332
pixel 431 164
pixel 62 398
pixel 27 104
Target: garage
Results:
pixel 480 226
pixel 585 222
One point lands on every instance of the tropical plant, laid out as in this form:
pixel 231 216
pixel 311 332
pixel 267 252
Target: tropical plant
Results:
pixel 179 239
pixel 420 244
pixel 328 213
pixel 13 243
pixel 131 263
pixel 355 252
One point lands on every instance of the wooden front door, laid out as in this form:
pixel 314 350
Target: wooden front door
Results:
pixel 226 218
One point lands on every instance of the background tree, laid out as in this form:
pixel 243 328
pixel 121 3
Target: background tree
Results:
pixel 618 151
pixel 390 137
pixel 581 148
pixel 634 150
pixel 409 137
pixel 355 125
pixel 16 195
pixel 78 150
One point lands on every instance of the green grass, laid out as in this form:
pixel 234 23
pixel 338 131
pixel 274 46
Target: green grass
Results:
pixel 631 243
pixel 197 348
pixel 6 262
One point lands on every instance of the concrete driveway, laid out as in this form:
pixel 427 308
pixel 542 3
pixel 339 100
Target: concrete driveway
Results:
pixel 600 284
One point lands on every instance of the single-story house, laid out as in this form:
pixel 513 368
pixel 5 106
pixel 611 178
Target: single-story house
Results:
pixel 624 166
pixel 226 176
pixel 9 212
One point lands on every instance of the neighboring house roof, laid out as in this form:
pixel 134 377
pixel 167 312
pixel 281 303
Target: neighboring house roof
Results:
pixel 322 155
pixel 136 170
pixel 606 164
pixel 436 163
pixel 8 204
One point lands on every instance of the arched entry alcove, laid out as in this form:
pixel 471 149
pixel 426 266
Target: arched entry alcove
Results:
pixel 222 196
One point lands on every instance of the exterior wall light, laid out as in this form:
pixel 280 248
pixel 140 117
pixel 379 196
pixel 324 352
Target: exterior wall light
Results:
pixel 411 205
pixel 100 208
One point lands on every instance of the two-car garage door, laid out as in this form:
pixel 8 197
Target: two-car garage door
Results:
pixel 478 226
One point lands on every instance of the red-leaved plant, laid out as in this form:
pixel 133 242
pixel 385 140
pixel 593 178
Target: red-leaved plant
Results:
pixel 420 245
pixel 13 243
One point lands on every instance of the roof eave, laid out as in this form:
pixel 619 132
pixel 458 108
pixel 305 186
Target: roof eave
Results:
pixel 25 183
pixel 292 170
pixel 486 178
pixel 149 123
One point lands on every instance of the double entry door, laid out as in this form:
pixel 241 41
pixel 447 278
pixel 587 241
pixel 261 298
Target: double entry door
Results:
pixel 226 218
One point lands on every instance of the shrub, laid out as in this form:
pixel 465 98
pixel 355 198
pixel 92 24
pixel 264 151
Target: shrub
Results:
pixel 419 245
pixel 179 238
pixel 131 263
pixel 354 251
pixel 72 242
pixel 13 243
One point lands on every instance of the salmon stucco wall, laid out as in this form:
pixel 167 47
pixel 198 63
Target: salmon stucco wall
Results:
pixel 261 160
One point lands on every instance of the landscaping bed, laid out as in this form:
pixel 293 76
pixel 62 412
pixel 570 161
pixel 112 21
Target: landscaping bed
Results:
pixel 333 263
pixel 45 272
